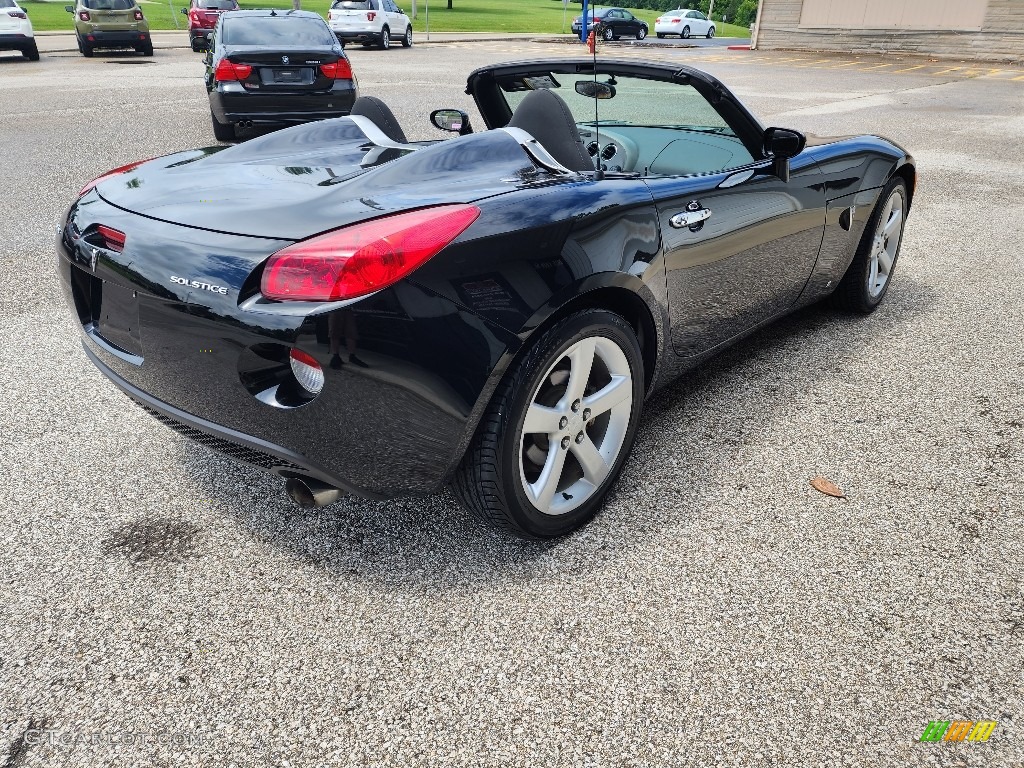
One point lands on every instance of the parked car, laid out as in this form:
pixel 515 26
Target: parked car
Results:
pixel 202 18
pixel 16 30
pixel 370 22
pixel 506 300
pixel 685 24
pixel 614 23
pixel 110 24
pixel 275 67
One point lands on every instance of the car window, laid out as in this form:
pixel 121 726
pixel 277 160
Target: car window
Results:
pixel 275 30
pixel 353 5
pixel 699 15
pixel 217 5
pixel 7 4
pixel 109 5
pixel 670 127
pixel 628 16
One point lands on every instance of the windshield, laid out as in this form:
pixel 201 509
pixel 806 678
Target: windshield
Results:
pixel 109 5
pixel 353 5
pixel 276 31
pixel 217 5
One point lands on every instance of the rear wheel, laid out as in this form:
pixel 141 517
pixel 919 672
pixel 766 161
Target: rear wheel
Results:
pixel 147 50
pixel 222 131
pixel 84 47
pixel 641 33
pixel 609 33
pixel 196 45
pixel 558 430
pixel 867 279
pixel 686 33
pixel 407 40
pixel 661 35
pixel 711 33
pixel 385 38
pixel 31 52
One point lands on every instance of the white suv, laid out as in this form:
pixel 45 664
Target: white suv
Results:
pixel 16 30
pixel 370 22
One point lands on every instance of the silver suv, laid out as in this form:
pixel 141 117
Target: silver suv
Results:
pixel 370 22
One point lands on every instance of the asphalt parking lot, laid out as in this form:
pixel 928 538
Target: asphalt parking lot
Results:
pixel 161 605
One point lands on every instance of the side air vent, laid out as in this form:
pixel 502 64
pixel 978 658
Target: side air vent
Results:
pixel 592 148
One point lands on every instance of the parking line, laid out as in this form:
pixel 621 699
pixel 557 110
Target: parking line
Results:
pixel 944 71
pixel 910 69
pixel 876 66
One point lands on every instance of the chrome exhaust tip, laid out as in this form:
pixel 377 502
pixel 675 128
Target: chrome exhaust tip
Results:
pixel 309 493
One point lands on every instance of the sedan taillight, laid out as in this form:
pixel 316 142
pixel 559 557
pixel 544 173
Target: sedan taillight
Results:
pixel 113 239
pixel 83 15
pixel 339 70
pixel 358 260
pixel 228 71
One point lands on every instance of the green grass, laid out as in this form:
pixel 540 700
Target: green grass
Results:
pixel 537 16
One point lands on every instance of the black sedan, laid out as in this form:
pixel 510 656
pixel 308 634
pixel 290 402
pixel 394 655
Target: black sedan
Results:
pixel 275 67
pixel 613 23
pixel 362 314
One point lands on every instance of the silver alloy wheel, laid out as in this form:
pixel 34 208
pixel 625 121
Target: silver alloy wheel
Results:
pixel 575 425
pixel 385 39
pixel 886 243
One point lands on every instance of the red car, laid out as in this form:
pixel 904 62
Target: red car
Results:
pixel 202 18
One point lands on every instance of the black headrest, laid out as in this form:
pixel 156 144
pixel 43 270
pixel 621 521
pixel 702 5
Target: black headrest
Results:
pixel 545 116
pixel 376 110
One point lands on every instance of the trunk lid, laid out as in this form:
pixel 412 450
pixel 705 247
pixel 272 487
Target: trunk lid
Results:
pixel 312 178
pixel 292 69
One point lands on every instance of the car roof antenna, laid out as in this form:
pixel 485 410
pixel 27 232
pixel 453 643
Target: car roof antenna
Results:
pixel 592 43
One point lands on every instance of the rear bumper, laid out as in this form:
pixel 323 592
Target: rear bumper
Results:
pixel 396 427
pixel 15 42
pixel 196 34
pixel 276 106
pixel 118 39
pixel 357 36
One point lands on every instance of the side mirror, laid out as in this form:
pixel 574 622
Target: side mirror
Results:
pixel 781 144
pixel 451 120
pixel 184 11
pixel 69 8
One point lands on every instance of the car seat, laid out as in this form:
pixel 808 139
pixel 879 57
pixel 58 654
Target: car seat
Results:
pixel 544 115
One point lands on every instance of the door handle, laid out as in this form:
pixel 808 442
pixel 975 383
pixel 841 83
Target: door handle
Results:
pixel 690 218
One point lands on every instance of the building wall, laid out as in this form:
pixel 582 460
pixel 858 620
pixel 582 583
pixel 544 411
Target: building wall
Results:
pixel 1000 37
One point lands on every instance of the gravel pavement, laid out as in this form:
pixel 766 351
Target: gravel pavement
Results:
pixel 161 605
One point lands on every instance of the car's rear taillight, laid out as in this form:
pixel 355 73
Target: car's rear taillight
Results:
pixel 357 260
pixel 114 172
pixel 658 20
pixel 307 371
pixel 113 239
pixel 83 15
pixel 371 15
pixel 138 15
pixel 228 71
pixel 339 70
pixel 676 21
pixel 18 14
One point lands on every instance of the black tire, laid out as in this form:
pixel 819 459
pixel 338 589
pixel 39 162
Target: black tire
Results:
pixel 147 50
pixel 711 33
pixel 686 33
pixel 31 52
pixel 853 293
pixel 609 33
pixel 196 45
pixel 407 40
pixel 86 49
pixel 222 131
pixel 488 482
pixel 385 39
pixel 641 33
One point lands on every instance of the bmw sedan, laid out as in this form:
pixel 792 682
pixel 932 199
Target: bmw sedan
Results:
pixel 267 67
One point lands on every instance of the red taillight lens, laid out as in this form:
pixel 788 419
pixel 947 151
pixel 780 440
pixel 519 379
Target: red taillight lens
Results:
pixel 339 70
pixel 370 16
pixel 83 15
pixel 138 15
pixel 676 21
pixel 18 14
pixel 112 238
pixel 193 15
pixel 363 258
pixel 114 172
pixel 228 71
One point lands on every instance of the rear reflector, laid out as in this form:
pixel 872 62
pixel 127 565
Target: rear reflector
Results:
pixel 357 260
pixel 339 70
pixel 307 371
pixel 228 71
pixel 112 238
pixel 114 172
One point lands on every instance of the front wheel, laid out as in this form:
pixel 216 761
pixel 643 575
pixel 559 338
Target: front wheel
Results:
pixel 686 33
pixel 711 33
pixel 407 40
pixel 558 430
pixel 222 131
pixel 867 279
pixel 385 39
pixel 641 33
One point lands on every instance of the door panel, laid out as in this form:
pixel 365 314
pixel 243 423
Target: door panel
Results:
pixel 748 261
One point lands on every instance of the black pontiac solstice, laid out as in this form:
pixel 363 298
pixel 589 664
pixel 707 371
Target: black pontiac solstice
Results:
pixel 358 313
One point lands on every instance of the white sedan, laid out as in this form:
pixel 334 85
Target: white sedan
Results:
pixel 685 24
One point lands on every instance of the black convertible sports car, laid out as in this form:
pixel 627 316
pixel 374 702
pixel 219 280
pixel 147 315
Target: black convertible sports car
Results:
pixel 358 313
